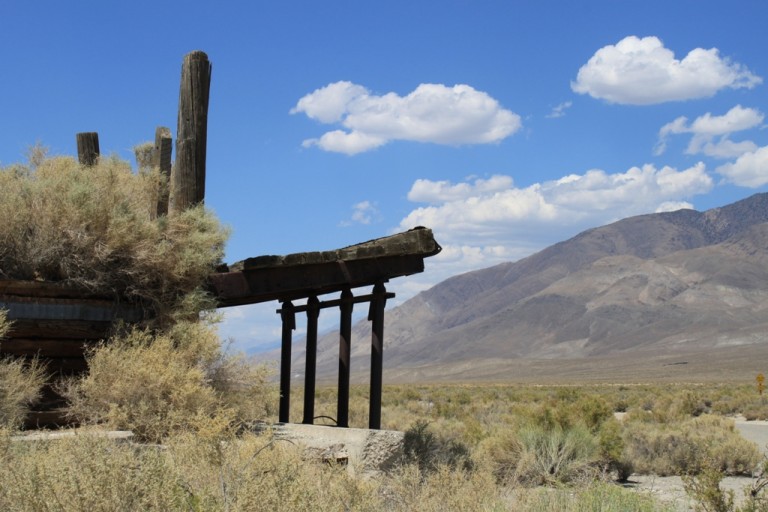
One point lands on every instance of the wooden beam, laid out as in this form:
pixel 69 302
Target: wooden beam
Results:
pixel 289 283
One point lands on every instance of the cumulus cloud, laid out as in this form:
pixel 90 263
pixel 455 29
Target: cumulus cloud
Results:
pixel 431 113
pixel 480 222
pixel 749 170
pixel 711 134
pixel 478 211
pixel 639 71
pixel 428 191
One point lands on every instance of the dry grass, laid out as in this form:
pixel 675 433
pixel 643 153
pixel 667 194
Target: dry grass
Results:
pixel 5 325
pixel 257 473
pixel 560 437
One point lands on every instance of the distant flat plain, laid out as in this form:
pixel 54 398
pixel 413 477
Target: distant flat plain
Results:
pixel 725 364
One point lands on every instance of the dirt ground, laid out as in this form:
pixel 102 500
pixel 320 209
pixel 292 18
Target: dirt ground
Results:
pixel 670 489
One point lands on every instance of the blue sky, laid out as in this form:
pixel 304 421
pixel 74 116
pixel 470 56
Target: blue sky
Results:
pixel 505 126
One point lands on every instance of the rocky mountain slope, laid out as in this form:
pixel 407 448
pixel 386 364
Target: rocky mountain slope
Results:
pixel 651 284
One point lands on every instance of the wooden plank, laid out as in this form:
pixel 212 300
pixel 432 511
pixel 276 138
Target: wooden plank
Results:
pixel 47 289
pixel 62 329
pixel 45 347
pixel 292 282
pixel 61 309
pixel 415 242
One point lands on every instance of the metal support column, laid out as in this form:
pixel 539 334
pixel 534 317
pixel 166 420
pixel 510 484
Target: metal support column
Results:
pixel 376 317
pixel 313 311
pixel 345 336
pixel 289 324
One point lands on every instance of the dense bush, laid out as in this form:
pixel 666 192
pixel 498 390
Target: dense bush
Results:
pixel 684 447
pixel 429 451
pixel 97 228
pixel 160 384
pixel 21 383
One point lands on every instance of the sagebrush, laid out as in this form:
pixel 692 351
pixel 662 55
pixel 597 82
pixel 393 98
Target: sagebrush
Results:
pixel 157 384
pixel 97 228
pixel 21 383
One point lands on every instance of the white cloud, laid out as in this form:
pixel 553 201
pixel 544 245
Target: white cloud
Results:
pixel 639 71
pixel 479 226
pixel 559 111
pixel 749 170
pixel 330 103
pixel 255 326
pixel 364 212
pixel 711 133
pixel 431 113
pixel 427 191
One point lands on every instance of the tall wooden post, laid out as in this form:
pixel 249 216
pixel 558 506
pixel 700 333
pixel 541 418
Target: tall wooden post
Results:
pixel 288 315
pixel 161 158
pixel 376 317
pixel 188 175
pixel 87 148
pixel 313 312
pixel 345 335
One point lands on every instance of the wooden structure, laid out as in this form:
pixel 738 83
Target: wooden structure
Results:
pixel 310 275
pixel 88 148
pixel 59 323
pixel 188 174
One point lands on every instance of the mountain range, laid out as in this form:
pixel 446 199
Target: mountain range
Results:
pixel 665 295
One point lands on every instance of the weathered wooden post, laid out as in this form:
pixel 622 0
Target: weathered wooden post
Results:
pixel 288 315
pixel 87 148
pixel 188 175
pixel 161 158
pixel 376 317
pixel 345 339
pixel 313 311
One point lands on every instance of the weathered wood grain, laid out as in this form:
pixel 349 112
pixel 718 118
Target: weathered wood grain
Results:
pixel 188 173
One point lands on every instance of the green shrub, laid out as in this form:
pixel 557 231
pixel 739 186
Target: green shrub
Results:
pixel 534 455
pixel 428 451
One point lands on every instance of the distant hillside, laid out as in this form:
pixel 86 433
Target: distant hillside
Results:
pixel 652 284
